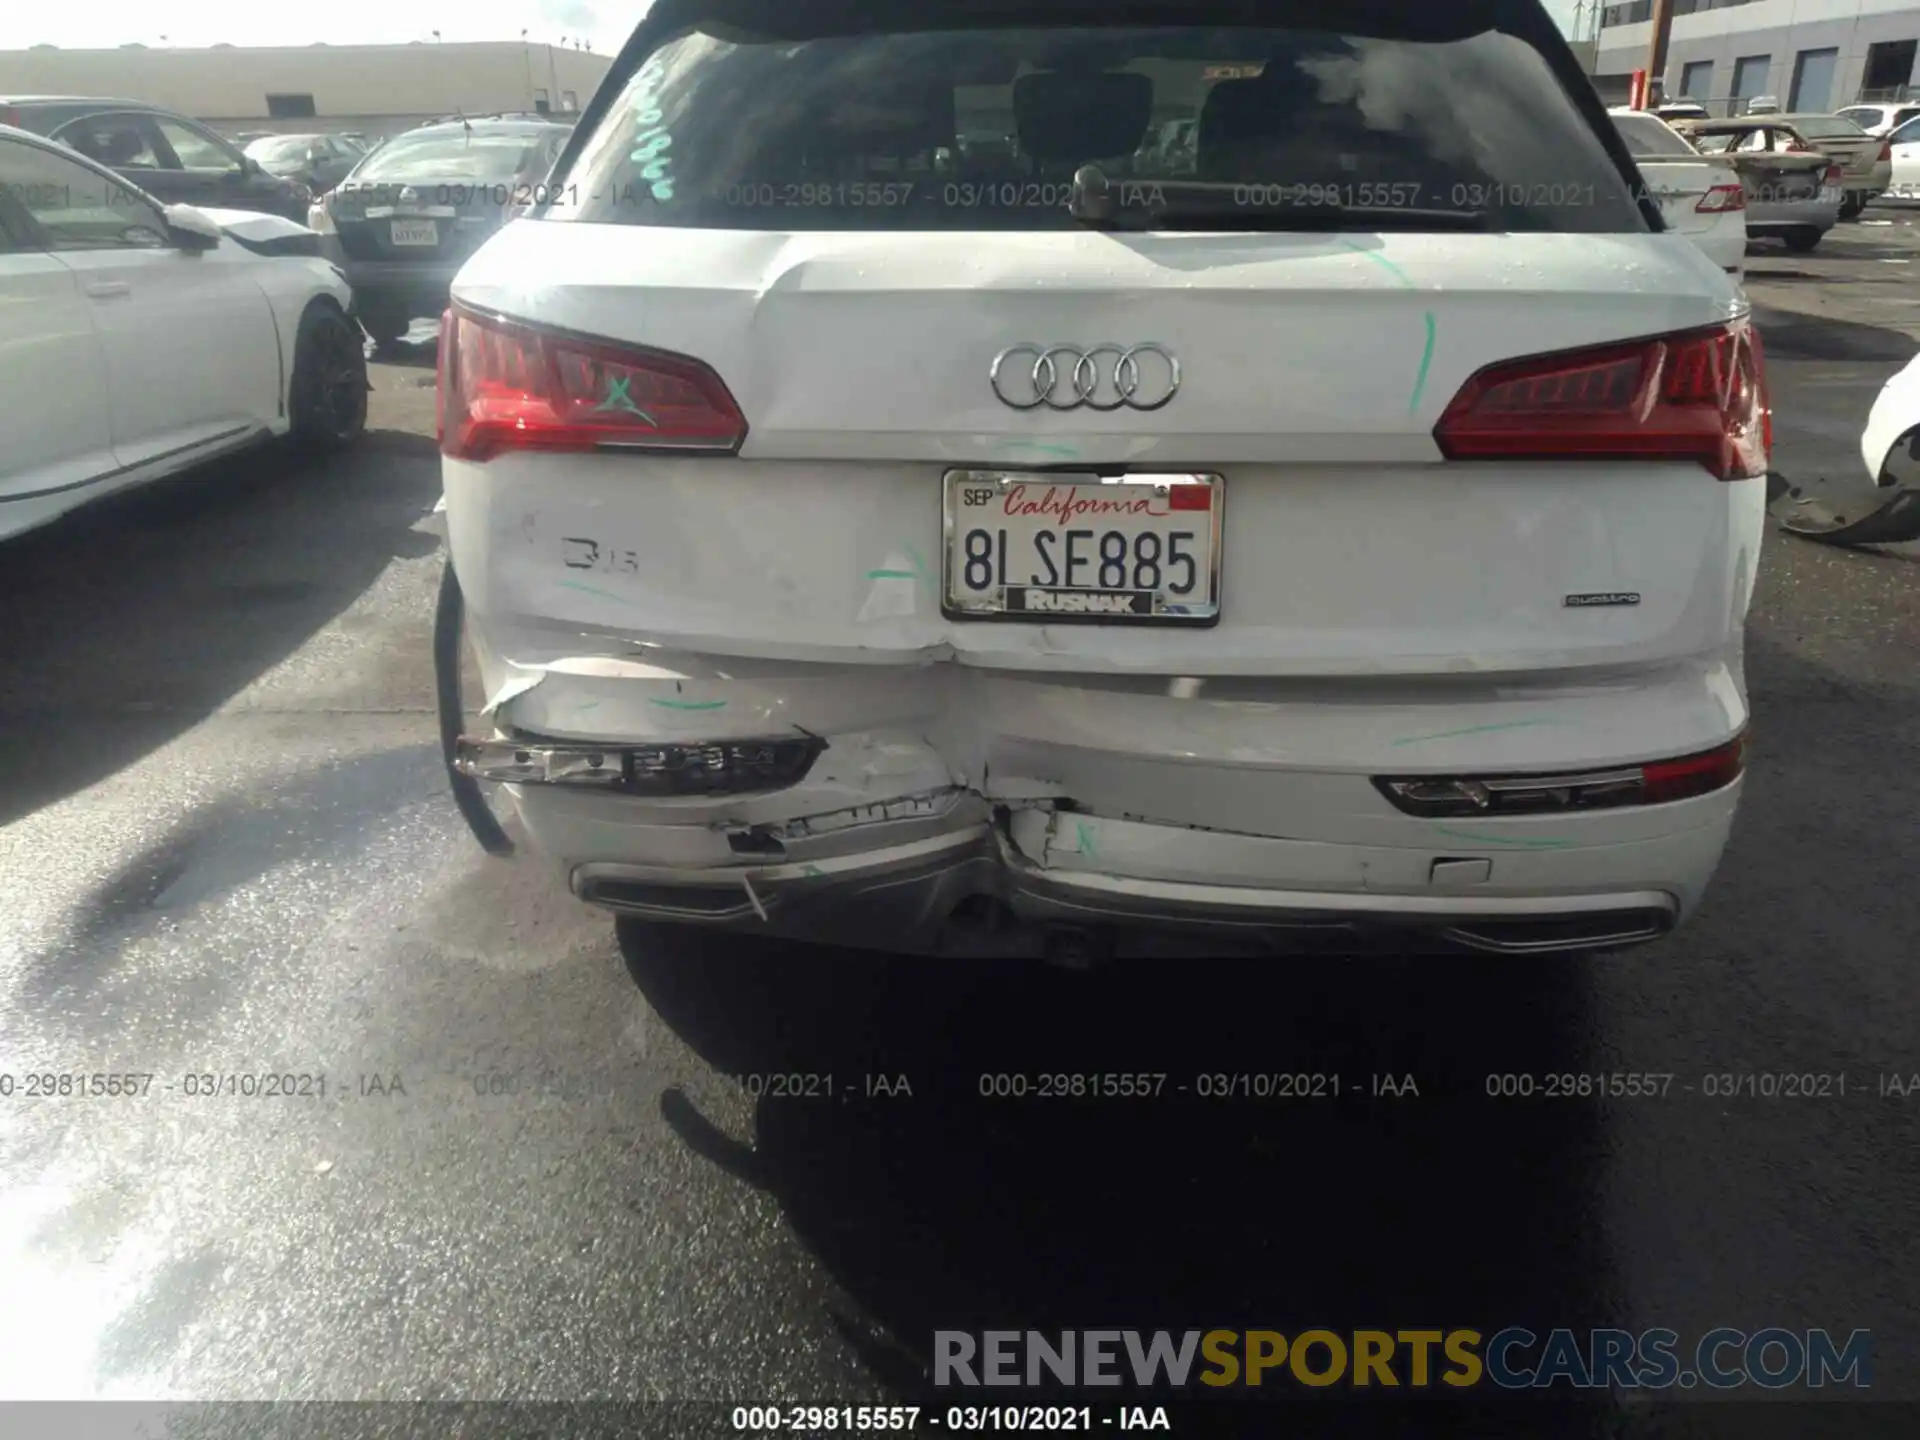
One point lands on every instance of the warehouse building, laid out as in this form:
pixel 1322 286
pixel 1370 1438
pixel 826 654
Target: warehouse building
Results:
pixel 1807 55
pixel 373 89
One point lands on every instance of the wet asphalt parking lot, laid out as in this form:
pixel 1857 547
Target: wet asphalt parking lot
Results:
pixel 228 851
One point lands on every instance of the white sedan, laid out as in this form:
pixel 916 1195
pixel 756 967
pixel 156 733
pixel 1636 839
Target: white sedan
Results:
pixel 141 339
pixel 1702 199
pixel 1880 506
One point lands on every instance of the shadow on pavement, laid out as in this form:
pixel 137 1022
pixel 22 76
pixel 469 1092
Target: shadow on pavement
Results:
pixel 1790 335
pixel 955 1209
pixel 133 619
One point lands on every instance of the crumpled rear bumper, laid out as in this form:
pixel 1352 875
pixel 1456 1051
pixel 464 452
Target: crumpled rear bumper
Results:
pixel 1027 802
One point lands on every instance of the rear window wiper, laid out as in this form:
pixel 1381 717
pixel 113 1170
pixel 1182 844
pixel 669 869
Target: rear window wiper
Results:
pixel 1216 205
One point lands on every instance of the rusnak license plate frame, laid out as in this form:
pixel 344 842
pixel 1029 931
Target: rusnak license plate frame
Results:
pixel 1200 495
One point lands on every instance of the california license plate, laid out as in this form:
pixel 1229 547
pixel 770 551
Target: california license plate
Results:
pixel 1129 549
pixel 416 232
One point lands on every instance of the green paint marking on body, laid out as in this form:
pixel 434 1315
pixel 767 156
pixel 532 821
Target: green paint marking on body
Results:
pixel 688 704
pixel 619 399
pixel 1515 843
pixel 591 590
pixel 1476 730
pixel 812 871
pixel 892 575
pixel 1426 360
pixel 1083 836
pixel 1065 450
pixel 1383 262
pixel 1405 280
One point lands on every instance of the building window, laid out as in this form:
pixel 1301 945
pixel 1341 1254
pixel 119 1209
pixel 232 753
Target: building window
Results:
pixel 569 101
pixel 1750 76
pixel 1696 79
pixel 541 105
pixel 1812 79
pixel 290 107
pixel 1889 67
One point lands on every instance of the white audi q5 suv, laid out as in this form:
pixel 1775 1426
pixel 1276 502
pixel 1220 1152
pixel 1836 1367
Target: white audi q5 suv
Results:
pixel 893 489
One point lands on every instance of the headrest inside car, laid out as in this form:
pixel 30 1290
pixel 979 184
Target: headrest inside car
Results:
pixel 1074 117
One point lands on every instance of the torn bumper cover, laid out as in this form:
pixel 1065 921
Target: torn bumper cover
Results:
pixel 942 809
pixel 895 872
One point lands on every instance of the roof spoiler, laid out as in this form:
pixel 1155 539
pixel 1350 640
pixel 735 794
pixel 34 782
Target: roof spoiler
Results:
pixel 1408 19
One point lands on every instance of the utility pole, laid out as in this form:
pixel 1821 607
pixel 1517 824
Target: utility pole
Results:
pixel 1657 50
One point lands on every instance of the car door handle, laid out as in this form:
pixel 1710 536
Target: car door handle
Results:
pixel 107 289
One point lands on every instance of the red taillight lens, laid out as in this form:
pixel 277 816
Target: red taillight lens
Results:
pixel 1886 150
pixel 506 386
pixel 1666 780
pixel 1699 395
pixel 1437 797
pixel 441 356
pixel 1722 199
pixel 1834 172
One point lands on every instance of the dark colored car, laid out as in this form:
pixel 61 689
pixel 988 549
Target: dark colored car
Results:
pixel 402 224
pixel 318 162
pixel 172 158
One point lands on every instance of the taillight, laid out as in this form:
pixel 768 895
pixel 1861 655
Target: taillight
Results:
pixel 1698 395
pixel 1666 780
pixel 1722 199
pixel 9 116
pixel 507 386
pixel 441 355
pixel 1886 150
pixel 1439 797
pixel 1834 172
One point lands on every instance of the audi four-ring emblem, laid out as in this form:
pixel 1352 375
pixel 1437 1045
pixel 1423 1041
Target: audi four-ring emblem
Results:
pixel 1100 377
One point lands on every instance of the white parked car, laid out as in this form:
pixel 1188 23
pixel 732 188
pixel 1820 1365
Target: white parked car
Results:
pixel 1703 199
pixel 1881 504
pixel 1903 152
pixel 1349 533
pixel 140 339
pixel 1880 121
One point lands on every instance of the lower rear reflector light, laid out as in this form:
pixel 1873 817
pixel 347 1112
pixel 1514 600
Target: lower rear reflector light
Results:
pixel 1655 783
pixel 1697 395
pixel 506 386
pixel 727 767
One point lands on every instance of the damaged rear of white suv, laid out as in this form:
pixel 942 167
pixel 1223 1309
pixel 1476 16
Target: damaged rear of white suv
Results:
pixel 890 488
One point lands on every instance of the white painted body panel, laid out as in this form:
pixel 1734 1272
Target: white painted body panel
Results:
pixel 1679 185
pixel 1384 611
pixel 1896 410
pixel 184 356
pixel 55 433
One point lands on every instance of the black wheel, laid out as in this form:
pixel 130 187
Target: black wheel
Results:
pixel 1851 207
pixel 327 401
pixel 387 326
pixel 1802 241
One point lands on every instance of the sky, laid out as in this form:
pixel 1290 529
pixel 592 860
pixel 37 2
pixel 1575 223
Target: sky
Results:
pixel 99 23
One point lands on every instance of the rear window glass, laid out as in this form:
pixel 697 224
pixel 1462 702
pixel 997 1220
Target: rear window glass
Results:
pixel 1834 129
pixel 1648 139
pixel 1863 116
pixel 294 147
pixel 1719 142
pixel 984 129
pixel 458 158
